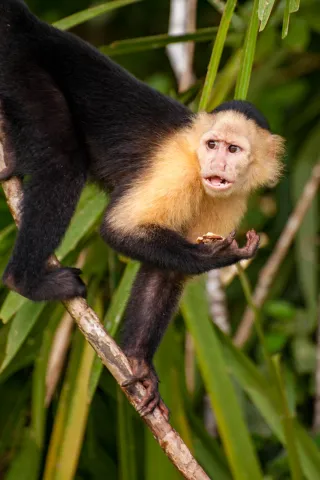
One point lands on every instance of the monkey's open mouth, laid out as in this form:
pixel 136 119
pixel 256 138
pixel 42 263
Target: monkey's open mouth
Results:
pixel 217 183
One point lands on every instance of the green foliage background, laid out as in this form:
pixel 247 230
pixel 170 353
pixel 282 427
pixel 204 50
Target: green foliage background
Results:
pixel 263 395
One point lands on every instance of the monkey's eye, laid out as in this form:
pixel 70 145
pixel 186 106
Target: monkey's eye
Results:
pixel 234 149
pixel 212 144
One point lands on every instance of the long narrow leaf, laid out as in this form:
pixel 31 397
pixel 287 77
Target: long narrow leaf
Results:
pixel 288 426
pixel 126 439
pixel 262 393
pixel 84 219
pixel 248 54
pixel 153 42
pixel 20 328
pixel 216 53
pixel 70 421
pixel 286 19
pixel 264 12
pixel 11 305
pixel 233 431
pixel 90 13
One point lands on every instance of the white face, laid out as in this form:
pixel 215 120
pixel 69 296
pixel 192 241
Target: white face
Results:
pixel 224 155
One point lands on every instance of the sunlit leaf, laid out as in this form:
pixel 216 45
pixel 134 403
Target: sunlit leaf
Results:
pixel 85 218
pixel 264 12
pixel 20 328
pixel 11 305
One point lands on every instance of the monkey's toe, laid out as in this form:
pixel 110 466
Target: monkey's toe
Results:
pixel 145 374
pixel 66 283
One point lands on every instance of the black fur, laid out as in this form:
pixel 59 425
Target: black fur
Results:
pixel 69 113
pixel 168 250
pixel 152 287
pixel 247 109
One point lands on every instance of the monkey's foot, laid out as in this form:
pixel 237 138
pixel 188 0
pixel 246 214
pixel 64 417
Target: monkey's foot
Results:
pixel 56 284
pixel 144 373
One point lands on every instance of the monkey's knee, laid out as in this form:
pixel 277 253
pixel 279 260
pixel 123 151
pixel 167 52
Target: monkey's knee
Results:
pixel 59 284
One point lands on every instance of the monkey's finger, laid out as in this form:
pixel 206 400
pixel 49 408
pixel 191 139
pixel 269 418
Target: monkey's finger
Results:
pixel 149 403
pixel 250 249
pixel 156 402
pixel 164 410
pixel 76 271
pixel 227 241
pixel 232 235
pixel 253 238
pixel 251 234
pixel 131 381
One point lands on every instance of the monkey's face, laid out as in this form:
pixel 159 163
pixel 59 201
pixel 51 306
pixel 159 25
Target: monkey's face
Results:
pixel 236 156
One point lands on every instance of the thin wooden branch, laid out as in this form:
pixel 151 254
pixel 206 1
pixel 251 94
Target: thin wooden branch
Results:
pixel 269 272
pixel 113 358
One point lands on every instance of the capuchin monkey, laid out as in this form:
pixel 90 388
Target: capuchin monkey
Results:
pixel 68 115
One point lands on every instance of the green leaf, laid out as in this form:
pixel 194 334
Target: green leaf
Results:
pixel 234 434
pixel 264 12
pixel 216 53
pixel 304 354
pixel 288 425
pixel 84 219
pixel 153 42
pixel 279 309
pixel 90 13
pixel 226 80
pixel 294 6
pixel 20 328
pixel 299 35
pixel 249 48
pixel 38 416
pixel 11 305
pixel 126 439
pixel 262 392
pixel 286 19
pixel 71 418
pixel 6 236
pixel 14 396
pixel 25 464
pixel 263 395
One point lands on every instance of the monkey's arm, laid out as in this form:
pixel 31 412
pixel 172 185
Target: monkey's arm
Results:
pixel 167 249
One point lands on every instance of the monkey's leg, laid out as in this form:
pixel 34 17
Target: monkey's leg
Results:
pixel 153 301
pixel 44 146
pixel 49 202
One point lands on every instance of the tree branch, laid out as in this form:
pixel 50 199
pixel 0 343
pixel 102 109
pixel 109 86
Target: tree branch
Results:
pixel 113 358
pixel 268 273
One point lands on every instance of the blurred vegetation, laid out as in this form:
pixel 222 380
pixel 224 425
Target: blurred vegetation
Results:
pixel 263 395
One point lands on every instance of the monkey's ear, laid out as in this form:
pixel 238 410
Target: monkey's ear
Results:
pixel 276 150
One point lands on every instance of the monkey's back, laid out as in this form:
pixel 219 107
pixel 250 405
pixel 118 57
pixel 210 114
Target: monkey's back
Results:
pixel 117 116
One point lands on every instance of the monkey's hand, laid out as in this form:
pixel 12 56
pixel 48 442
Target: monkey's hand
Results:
pixel 144 373
pixel 226 251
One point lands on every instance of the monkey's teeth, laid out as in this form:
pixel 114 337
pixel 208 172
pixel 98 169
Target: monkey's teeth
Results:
pixel 218 182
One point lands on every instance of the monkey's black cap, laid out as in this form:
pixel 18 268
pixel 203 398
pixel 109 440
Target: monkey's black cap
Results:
pixel 247 109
